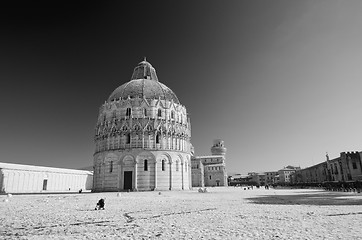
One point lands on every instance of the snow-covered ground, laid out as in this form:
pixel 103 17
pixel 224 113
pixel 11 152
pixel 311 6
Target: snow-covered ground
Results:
pixel 221 213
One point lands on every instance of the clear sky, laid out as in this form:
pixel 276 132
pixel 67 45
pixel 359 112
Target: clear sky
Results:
pixel 279 81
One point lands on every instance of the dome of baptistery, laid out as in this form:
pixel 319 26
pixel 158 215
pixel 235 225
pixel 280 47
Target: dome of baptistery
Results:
pixel 142 137
pixel 140 86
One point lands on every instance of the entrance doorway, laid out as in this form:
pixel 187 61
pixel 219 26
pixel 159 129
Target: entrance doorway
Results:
pixel 217 182
pixel 127 180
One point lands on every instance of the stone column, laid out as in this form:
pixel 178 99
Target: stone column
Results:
pixel 118 170
pixel 170 162
pixel 182 174
pixel 161 140
pixel 124 142
pixel 149 140
pixel 154 138
pixel 155 175
pixel 143 139
pixel 135 175
pixel 120 176
pixel 189 175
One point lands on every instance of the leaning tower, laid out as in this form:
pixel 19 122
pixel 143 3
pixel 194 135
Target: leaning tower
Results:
pixel 218 148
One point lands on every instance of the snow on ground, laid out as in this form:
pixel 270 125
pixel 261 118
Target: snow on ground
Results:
pixel 221 213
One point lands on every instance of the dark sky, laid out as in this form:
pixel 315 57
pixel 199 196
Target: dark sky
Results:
pixel 278 81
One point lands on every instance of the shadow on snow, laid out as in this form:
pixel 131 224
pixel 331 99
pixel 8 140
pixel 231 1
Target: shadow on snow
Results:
pixel 319 198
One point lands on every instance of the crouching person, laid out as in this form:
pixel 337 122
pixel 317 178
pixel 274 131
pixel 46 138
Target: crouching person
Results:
pixel 100 204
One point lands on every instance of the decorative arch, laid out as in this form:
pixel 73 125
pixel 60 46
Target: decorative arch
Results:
pixel 128 160
pixel 181 158
pixel 111 157
pixel 137 127
pixel 145 156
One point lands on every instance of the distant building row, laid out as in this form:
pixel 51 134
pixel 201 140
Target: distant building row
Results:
pixel 281 176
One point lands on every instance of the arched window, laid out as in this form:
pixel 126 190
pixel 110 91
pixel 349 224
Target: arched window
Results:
pixel 145 112
pixel 157 138
pixel 145 165
pixel 163 165
pixel 172 114
pixel 177 165
pixel 159 113
pixel 128 138
pixel 128 112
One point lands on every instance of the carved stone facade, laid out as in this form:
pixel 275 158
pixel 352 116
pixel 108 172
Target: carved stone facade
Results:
pixel 142 137
pixel 209 171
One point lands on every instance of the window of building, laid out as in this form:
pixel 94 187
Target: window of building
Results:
pixel 111 167
pixel 45 184
pixel 128 112
pixel 163 165
pixel 159 113
pixel 157 138
pixel 145 165
pixel 177 166
pixel 128 138
pixel 354 165
pixel 172 114
pixel 210 177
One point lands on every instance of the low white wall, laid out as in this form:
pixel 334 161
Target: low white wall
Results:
pixel 30 181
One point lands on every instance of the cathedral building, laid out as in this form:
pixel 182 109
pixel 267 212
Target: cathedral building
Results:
pixel 142 137
pixel 209 171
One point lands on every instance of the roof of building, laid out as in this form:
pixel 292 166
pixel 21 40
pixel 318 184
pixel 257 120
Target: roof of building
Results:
pixel 211 156
pixel 240 176
pixel 215 165
pixel 289 168
pixel 13 166
pixel 144 84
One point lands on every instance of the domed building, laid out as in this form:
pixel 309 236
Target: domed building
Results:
pixel 142 137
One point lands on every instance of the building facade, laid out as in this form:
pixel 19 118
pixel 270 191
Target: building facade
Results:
pixel 209 171
pixel 345 168
pixel 16 178
pixel 259 178
pixel 285 173
pixel 270 177
pixel 142 137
